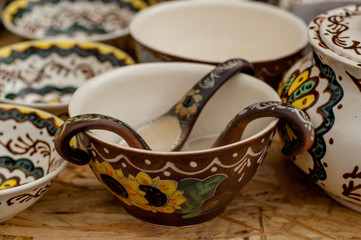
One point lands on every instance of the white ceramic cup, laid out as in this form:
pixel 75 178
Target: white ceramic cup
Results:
pixel 212 31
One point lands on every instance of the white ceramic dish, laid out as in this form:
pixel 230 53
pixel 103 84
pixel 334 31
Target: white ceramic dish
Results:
pixel 44 74
pixel 28 160
pixel 92 20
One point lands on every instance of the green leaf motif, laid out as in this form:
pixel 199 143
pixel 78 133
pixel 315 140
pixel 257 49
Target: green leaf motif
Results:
pixel 197 191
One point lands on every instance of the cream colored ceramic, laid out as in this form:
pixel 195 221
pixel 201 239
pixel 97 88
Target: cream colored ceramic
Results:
pixel 212 31
pixel 45 73
pixel 28 160
pixel 91 20
pixel 327 86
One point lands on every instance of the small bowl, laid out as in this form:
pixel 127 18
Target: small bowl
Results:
pixel 91 20
pixel 213 31
pixel 44 74
pixel 28 160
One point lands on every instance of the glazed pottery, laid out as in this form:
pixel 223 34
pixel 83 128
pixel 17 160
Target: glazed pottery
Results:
pixel 170 188
pixel 92 20
pixel 45 73
pixel 28 160
pixel 212 31
pixel 326 85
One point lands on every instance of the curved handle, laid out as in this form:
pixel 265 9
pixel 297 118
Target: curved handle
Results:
pixel 84 122
pixel 304 128
pixel 197 97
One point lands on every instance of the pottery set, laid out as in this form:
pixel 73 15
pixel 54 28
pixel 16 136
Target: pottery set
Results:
pixel 175 187
pixel 272 39
pixel 176 136
pixel 28 160
pixel 326 86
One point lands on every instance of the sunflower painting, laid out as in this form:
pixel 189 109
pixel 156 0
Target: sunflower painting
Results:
pixel 154 195
pixel 188 105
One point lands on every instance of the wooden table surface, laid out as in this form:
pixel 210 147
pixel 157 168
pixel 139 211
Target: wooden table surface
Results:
pixel 280 202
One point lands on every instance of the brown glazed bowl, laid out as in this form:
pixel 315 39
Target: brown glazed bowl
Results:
pixel 170 188
pixel 212 31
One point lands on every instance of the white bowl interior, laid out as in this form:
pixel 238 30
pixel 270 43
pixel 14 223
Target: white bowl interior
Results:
pixel 139 93
pixel 219 30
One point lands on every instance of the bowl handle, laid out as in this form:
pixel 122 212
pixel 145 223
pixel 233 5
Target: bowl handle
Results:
pixel 304 128
pixel 84 122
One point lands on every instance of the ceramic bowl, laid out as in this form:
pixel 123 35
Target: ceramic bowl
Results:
pixel 169 188
pixel 28 160
pixel 44 74
pixel 214 31
pixel 92 20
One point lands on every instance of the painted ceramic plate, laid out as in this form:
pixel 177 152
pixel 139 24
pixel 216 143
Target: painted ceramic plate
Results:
pixel 44 74
pixel 93 20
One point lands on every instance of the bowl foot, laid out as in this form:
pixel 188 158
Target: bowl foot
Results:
pixel 173 219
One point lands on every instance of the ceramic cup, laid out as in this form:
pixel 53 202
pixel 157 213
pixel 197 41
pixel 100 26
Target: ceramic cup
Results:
pixel 326 85
pixel 29 163
pixel 211 32
pixel 170 188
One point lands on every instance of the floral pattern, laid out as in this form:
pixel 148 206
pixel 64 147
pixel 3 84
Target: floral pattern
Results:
pixel 8 183
pixel 154 195
pixel 188 105
pixel 299 89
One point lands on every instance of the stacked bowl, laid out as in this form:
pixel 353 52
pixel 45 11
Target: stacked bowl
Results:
pixel 63 45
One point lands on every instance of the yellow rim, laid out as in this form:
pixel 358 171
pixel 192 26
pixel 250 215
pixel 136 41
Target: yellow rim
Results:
pixel 43 44
pixel 14 7
pixel 26 110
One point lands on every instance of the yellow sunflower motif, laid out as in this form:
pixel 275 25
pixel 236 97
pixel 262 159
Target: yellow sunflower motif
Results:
pixel 162 195
pixel 188 105
pixel 126 189
pixel 142 191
